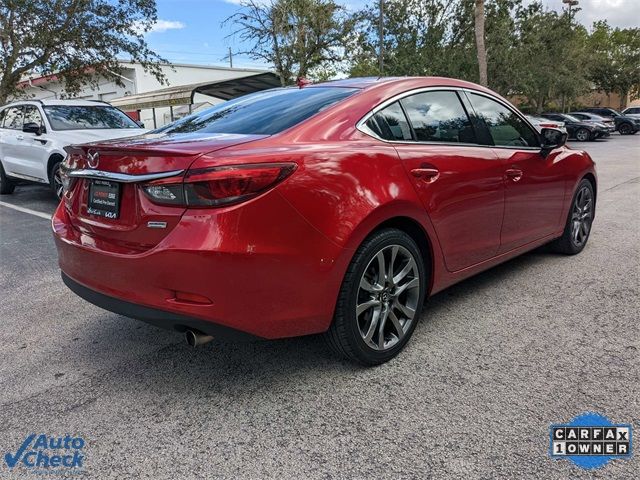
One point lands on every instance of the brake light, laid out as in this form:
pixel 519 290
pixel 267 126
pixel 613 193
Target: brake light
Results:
pixel 220 186
pixel 549 125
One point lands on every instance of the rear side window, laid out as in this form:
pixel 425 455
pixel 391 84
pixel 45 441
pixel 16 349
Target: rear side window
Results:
pixel 506 128
pixel 2 115
pixel 633 110
pixel 438 117
pixel 390 123
pixel 263 113
pixel 13 118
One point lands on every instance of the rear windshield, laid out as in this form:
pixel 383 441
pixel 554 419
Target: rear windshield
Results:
pixel 74 117
pixel 263 113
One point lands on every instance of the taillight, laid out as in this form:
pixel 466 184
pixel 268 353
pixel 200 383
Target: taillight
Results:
pixel 219 186
pixel 549 125
pixel 169 194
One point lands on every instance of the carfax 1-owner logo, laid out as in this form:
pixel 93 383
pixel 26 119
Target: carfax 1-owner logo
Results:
pixel 47 454
pixel 591 440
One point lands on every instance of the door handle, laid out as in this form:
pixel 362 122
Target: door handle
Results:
pixel 19 137
pixel 428 174
pixel 514 174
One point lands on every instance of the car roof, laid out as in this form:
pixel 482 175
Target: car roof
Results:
pixel 367 83
pixel 52 102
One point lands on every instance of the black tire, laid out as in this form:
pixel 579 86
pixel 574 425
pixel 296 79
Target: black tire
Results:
pixel 346 335
pixel 569 243
pixel 55 182
pixel 582 135
pixel 626 129
pixel 6 185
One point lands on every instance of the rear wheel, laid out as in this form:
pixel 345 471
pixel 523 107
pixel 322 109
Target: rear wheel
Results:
pixel 55 179
pixel 582 135
pixel 578 226
pixel 380 299
pixel 6 185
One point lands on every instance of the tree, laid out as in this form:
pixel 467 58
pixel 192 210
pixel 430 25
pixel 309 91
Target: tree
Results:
pixel 295 36
pixel 419 38
pixel 77 40
pixel 479 30
pixel 616 60
pixel 551 55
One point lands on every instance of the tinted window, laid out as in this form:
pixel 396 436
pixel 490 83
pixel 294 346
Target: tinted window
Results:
pixel 75 117
pixel 506 128
pixel 262 113
pixel 438 117
pixel 580 116
pixel 32 115
pixel 633 110
pixel 2 114
pixel 390 123
pixel 13 118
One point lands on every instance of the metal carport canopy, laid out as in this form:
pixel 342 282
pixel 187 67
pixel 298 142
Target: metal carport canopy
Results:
pixel 183 94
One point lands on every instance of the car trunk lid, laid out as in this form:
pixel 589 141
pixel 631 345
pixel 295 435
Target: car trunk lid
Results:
pixel 105 200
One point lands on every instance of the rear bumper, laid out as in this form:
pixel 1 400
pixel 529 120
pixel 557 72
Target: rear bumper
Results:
pixel 259 268
pixel 158 318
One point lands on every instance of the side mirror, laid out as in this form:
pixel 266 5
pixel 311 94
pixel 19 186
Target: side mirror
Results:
pixel 32 128
pixel 552 138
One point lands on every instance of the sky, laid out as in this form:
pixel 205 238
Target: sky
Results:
pixel 190 31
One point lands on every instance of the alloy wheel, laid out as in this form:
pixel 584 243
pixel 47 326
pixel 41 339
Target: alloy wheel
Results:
pixel 582 135
pixel 387 297
pixel 58 186
pixel 581 216
pixel 625 129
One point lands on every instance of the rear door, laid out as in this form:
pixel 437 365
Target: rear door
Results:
pixel 535 183
pixel 11 140
pixel 458 181
pixel 33 149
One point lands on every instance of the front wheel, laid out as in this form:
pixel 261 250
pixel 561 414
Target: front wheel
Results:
pixel 380 299
pixel 578 226
pixel 625 129
pixel 55 180
pixel 582 135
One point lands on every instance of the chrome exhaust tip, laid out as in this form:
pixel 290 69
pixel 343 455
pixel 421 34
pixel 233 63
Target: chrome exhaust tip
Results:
pixel 196 338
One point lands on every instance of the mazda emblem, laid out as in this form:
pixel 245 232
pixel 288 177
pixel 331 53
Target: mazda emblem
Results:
pixel 93 158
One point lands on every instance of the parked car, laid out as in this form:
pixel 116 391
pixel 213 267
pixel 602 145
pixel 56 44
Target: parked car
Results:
pixel 335 208
pixel 578 129
pixel 33 135
pixel 633 112
pixel 604 122
pixel 540 122
pixel 624 124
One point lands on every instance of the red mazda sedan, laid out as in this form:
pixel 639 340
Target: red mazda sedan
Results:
pixel 336 208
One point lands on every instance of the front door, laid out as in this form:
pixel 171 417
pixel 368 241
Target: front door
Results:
pixel 534 182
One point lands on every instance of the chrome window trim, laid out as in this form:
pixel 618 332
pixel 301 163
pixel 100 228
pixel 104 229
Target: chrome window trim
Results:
pixel 361 125
pixel 121 177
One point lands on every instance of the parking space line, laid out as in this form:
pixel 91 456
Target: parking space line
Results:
pixel 27 210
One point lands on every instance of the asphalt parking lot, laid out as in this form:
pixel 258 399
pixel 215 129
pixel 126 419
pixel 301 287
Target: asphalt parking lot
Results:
pixel 494 362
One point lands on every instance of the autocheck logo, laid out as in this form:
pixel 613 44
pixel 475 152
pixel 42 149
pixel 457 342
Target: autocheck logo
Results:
pixel 47 454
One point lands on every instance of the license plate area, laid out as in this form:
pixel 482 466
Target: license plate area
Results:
pixel 104 199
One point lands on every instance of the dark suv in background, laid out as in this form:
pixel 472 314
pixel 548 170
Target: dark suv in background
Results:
pixel 624 124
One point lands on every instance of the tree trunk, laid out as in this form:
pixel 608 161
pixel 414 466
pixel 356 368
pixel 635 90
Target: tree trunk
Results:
pixel 480 48
pixel 624 95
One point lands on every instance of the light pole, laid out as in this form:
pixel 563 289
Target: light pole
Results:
pixel 381 38
pixel 570 3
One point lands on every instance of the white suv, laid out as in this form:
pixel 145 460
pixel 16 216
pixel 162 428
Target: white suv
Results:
pixel 33 135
